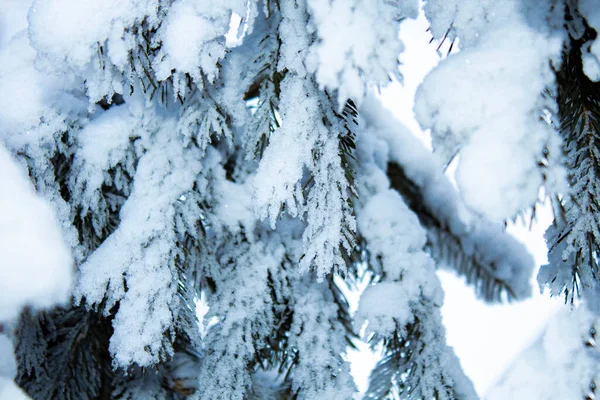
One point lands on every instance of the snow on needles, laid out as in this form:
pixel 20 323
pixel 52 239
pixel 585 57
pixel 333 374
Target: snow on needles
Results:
pixel 278 179
pixel 349 65
pixel 132 266
pixel 409 297
pixel 68 41
pixel 161 189
pixel 393 232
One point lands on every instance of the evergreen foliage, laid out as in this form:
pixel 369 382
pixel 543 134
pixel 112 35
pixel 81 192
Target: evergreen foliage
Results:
pixel 261 174
pixel 574 238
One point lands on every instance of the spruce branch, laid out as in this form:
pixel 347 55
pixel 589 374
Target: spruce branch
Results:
pixel 265 86
pixel 409 359
pixel 453 247
pixel 73 361
pixel 574 238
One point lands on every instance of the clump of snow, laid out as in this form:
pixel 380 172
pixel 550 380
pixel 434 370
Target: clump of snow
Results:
pixel 357 45
pixel 37 267
pixel 64 32
pixel 384 306
pixel 485 102
pixel 71 44
pixel 393 230
pixel 203 25
pixel 33 96
pixel 591 51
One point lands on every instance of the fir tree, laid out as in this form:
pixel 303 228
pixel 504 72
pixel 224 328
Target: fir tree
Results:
pixel 262 174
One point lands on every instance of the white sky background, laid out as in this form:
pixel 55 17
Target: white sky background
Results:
pixel 485 338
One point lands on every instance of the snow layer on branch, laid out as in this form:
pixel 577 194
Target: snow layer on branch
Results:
pixel 65 35
pixel 193 38
pixel 408 300
pixel 591 58
pixel 295 37
pixel 34 97
pixel 465 20
pixel 468 20
pixel 146 37
pixel 384 139
pixel 558 365
pixel 244 306
pixel 485 102
pixel 394 234
pixel 70 43
pixel 278 178
pixel 135 265
pixel 305 144
pixel 104 143
pixel 358 43
pixel 36 268
pixel 316 330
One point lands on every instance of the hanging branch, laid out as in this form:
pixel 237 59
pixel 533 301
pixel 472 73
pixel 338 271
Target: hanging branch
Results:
pixel 574 239
pixel 459 250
